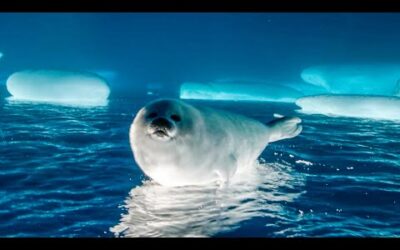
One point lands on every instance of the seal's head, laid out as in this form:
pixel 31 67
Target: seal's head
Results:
pixel 164 137
pixel 163 120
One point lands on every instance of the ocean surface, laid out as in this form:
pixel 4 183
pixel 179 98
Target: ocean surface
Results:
pixel 70 172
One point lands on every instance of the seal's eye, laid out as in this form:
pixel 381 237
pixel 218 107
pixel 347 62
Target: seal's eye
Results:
pixel 176 118
pixel 152 115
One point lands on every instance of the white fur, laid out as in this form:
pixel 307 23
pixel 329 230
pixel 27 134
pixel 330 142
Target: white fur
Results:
pixel 208 145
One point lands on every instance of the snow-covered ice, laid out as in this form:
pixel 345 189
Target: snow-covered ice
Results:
pixel 359 106
pixel 238 92
pixel 55 86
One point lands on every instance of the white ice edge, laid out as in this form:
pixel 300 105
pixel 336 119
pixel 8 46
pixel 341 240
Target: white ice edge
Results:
pixel 58 87
pixel 356 106
pixel 238 92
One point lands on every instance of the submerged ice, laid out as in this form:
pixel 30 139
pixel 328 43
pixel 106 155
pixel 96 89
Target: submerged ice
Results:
pixel 365 79
pixel 358 106
pixel 238 92
pixel 55 86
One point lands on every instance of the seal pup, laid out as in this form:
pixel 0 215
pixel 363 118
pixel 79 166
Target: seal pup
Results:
pixel 178 144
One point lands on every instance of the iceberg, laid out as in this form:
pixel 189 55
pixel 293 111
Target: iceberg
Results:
pixel 357 106
pixel 108 75
pixel 59 87
pixel 367 79
pixel 307 89
pixel 238 92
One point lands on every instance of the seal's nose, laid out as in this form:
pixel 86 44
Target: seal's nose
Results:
pixel 161 122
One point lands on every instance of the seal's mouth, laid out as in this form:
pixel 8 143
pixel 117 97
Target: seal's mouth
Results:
pixel 160 133
pixel 161 129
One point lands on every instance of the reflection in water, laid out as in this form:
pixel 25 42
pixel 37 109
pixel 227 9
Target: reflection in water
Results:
pixel 2 139
pixel 158 211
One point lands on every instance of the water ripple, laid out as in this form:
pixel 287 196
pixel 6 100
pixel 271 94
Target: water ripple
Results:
pixel 69 172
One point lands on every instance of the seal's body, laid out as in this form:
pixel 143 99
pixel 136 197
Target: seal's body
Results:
pixel 178 144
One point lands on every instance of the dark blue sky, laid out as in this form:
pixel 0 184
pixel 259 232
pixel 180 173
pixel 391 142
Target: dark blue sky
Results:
pixel 174 47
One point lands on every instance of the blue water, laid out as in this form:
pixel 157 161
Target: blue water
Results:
pixel 69 172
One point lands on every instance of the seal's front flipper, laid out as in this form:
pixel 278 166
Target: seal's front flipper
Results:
pixel 284 128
